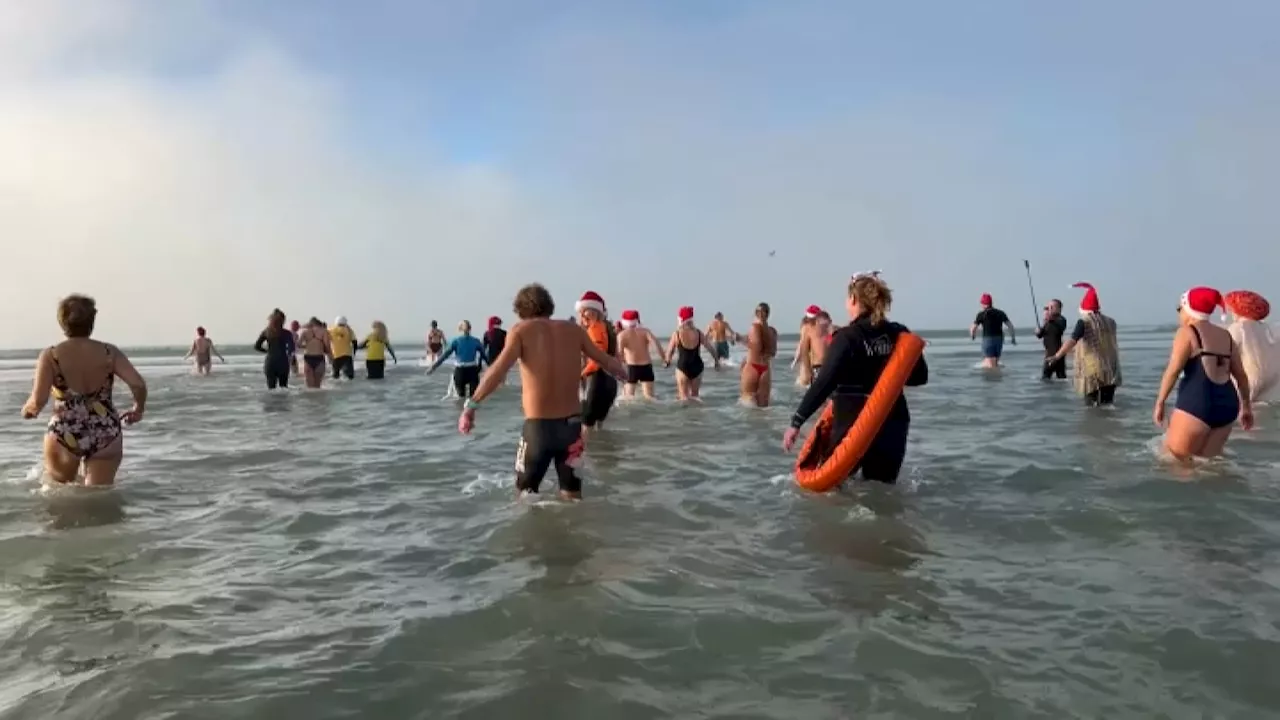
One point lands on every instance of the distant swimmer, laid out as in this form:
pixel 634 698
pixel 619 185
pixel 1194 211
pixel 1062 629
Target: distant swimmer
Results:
pixel 686 347
pixel 1209 403
pixel 277 342
pixel 376 346
pixel 495 339
pixel 814 340
pixel 762 346
pixel 85 430
pixel 294 328
pixel 992 321
pixel 601 386
pixel 203 350
pixel 1097 351
pixel 550 355
pixel 855 359
pixel 342 340
pixel 801 362
pixel 635 340
pixel 721 336
pixel 435 343
pixel 314 341
pixel 468 355
pixel 1051 333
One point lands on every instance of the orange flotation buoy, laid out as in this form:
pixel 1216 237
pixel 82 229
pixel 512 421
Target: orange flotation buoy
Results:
pixel 1247 304
pixel 814 473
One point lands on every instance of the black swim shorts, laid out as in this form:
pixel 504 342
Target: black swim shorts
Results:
pixel 639 374
pixel 543 442
pixel 345 365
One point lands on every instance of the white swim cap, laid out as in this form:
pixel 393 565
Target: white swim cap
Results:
pixel 342 320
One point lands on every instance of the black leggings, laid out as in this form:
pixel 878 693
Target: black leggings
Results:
pixel 466 378
pixel 277 374
pixel 1058 368
pixel 602 390
pixel 375 368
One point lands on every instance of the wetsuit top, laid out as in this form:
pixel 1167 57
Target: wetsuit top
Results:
pixel 494 341
pixel 278 347
pixel 375 349
pixel 601 333
pixel 992 322
pixel 467 351
pixel 1053 331
pixel 341 340
pixel 857 355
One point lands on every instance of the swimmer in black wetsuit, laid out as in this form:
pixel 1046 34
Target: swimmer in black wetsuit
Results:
pixel 854 361
pixel 277 342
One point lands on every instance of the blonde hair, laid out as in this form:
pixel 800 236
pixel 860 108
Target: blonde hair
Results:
pixel 873 295
pixel 380 331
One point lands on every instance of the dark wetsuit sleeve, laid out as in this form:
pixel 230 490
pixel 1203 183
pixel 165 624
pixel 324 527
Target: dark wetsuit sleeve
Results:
pixel 838 353
pixel 1077 333
pixel 919 374
pixel 262 340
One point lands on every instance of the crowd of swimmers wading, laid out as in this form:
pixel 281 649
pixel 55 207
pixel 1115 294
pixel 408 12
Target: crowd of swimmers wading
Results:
pixel 570 372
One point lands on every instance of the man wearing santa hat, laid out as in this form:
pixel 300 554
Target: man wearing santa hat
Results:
pixel 635 341
pixel 550 356
pixel 812 348
pixel 802 363
pixel 1097 351
pixel 993 321
pixel 1209 403
pixel 601 388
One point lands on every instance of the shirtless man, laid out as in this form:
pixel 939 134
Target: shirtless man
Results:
pixel 435 343
pixel 314 341
pixel 550 355
pixel 204 351
pixel 812 348
pixel 721 335
pixel 762 345
pixel 634 341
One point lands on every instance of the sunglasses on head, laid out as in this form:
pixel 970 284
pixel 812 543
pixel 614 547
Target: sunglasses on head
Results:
pixel 869 274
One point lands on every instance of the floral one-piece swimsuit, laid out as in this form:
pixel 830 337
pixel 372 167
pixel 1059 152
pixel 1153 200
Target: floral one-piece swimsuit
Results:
pixel 84 423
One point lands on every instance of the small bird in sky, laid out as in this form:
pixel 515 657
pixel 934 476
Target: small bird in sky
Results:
pixel 772 253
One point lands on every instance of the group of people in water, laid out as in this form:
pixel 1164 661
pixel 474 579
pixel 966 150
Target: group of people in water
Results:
pixel 570 371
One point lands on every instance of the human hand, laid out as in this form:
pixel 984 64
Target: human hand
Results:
pixel 789 438
pixel 467 421
pixel 1246 418
pixel 1157 415
pixel 29 411
pixel 132 416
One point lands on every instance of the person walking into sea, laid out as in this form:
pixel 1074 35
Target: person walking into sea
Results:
pixel 802 363
pixel 686 347
pixel 992 321
pixel 635 341
pixel 495 338
pixel 855 360
pixel 314 341
pixel 550 354
pixel 1097 351
pixel 1209 403
pixel 342 341
pixel 79 373
pixel 376 346
pixel 1051 334
pixel 277 343
pixel 757 372
pixel 294 329
pixel 203 350
pixel 468 354
pixel 435 343
pixel 721 335
pixel 813 343
pixel 601 387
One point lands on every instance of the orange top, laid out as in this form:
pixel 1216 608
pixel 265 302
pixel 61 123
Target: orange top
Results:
pixel 599 334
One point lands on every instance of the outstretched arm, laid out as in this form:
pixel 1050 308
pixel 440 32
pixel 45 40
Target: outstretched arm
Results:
pixel 601 358
pixel 190 352
pixel 500 367
pixel 825 383
pixel 214 349
pixel 445 355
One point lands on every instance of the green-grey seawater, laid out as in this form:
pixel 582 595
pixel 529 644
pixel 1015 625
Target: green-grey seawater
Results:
pixel 344 553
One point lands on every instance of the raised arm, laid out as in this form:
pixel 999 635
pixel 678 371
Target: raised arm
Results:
pixel 41 385
pixel 125 370
pixel 260 345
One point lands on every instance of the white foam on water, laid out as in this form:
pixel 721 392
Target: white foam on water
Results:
pixel 487 482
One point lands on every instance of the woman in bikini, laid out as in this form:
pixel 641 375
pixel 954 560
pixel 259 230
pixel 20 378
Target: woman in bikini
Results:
pixel 762 346
pixel 1208 401
pixel 686 345
pixel 86 430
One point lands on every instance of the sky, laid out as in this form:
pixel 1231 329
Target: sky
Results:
pixel 200 162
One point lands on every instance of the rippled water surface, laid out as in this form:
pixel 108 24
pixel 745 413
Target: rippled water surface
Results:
pixel 345 554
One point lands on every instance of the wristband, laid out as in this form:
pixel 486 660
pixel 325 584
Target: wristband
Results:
pixel 470 404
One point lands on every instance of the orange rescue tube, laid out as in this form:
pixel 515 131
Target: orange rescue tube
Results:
pixel 813 473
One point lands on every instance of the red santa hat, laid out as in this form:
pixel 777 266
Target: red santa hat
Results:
pixel 590 301
pixel 494 321
pixel 685 314
pixel 1089 303
pixel 630 318
pixel 812 311
pixel 985 300
pixel 1199 302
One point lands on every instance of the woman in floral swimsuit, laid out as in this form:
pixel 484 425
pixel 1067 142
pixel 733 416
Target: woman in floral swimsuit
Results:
pixel 79 374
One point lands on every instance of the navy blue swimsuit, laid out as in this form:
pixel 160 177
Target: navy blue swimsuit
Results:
pixel 1215 404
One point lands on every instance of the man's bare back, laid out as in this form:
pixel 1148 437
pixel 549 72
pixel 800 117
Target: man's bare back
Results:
pixel 635 343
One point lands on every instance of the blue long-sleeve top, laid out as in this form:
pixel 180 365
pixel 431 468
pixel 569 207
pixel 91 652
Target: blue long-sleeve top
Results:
pixel 465 350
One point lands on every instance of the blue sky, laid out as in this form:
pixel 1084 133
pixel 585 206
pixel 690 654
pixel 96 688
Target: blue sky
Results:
pixel 439 154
